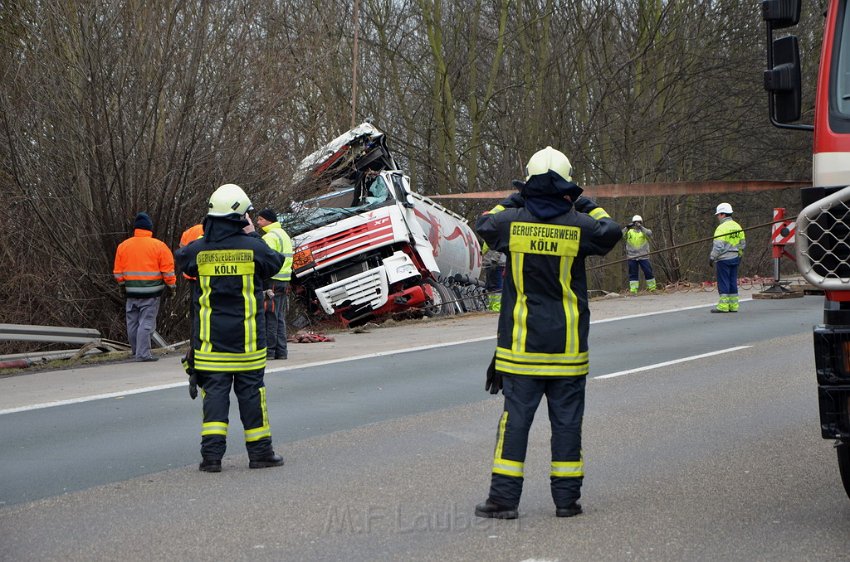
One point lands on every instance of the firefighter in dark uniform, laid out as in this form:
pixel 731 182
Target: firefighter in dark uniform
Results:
pixel 228 347
pixel 546 230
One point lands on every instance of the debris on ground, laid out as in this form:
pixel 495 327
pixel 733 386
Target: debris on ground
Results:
pixel 309 337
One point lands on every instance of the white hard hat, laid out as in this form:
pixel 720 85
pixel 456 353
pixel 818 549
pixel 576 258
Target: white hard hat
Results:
pixel 724 208
pixel 637 218
pixel 229 199
pixel 549 159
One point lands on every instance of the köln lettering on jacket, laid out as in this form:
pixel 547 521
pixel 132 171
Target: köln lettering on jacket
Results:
pixel 215 263
pixel 546 239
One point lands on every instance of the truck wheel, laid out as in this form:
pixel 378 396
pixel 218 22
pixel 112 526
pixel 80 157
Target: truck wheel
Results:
pixel 844 465
pixel 439 304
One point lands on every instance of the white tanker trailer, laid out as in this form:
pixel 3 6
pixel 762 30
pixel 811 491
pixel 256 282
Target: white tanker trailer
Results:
pixel 366 245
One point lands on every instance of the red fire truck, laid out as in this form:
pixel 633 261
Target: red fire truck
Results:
pixel 823 227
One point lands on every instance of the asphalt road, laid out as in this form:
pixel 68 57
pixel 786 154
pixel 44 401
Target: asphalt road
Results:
pixel 716 457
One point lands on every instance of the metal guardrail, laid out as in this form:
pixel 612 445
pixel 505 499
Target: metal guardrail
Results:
pixel 823 242
pixel 55 334
pixel 88 338
pixel 48 334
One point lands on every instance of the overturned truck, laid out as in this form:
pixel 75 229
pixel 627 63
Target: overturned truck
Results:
pixel 368 246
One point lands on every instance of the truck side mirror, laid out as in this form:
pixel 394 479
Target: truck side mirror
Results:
pixel 400 192
pixel 781 13
pixel 783 80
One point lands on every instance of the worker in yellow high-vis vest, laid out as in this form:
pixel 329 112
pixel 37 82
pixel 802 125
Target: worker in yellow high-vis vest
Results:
pixel 637 238
pixel 277 292
pixel 726 252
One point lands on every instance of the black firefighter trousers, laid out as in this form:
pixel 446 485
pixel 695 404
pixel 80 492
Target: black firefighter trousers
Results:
pixel 251 395
pixel 565 401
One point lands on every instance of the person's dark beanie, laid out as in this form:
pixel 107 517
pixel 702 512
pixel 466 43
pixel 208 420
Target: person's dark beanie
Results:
pixel 268 214
pixel 143 221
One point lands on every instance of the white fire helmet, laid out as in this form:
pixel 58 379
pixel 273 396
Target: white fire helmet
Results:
pixel 637 218
pixel 229 199
pixel 724 208
pixel 549 159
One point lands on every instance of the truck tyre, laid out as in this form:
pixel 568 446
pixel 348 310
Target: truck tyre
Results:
pixel 440 304
pixel 844 465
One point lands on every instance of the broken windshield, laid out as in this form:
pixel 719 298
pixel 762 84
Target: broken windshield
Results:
pixel 371 192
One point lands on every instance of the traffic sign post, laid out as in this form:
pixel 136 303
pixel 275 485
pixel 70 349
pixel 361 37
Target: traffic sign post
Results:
pixel 782 233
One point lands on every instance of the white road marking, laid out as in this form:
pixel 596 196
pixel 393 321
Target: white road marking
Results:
pixel 644 314
pixel 673 362
pixel 341 360
pixel 379 354
pixel 95 397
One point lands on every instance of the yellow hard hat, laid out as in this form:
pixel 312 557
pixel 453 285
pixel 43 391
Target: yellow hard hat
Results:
pixel 549 159
pixel 229 199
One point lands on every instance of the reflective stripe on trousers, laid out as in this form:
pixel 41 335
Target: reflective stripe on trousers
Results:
pixel 251 396
pixel 565 400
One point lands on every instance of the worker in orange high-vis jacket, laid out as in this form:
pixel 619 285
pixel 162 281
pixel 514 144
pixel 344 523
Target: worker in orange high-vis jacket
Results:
pixel 144 267
pixel 191 234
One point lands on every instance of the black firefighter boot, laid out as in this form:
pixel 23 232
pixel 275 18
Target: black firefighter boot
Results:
pixel 210 465
pixel 492 510
pixel 272 459
pixel 568 511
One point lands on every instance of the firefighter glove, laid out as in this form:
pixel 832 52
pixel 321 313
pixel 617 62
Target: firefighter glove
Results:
pixel 193 386
pixel 189 366
pixel 494 378
pixel 584 204
pixel 514 201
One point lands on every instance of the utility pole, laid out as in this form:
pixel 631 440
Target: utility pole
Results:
pixel 355 62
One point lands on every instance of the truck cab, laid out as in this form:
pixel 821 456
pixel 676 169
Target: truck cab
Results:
pixel 823 226
pixel 366 244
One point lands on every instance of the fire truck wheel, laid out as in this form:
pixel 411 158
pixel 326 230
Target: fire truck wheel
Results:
pixel 844 465
pixel 440 304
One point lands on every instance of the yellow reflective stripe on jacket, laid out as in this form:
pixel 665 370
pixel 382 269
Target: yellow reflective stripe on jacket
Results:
pixel 542 370
pixel 567 469
pixel 250 318
pixel 205 315
pixel 599 213
pixel 542 364
pixel 570 302
pixel 520 311
pixel 229 362
pixel 563 359
pixel 505 466
pixel 214 428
